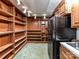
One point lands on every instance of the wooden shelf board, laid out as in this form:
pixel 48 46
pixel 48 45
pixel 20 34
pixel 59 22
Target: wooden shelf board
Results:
pixel 19 43
pixel 8 2
pixel 6 54
pixel 11 56
pixel 5 47
pixel 18 31
pixel 34 33
pixel 20 23
pixel 6 20
pixel 5 13
pixel 34 38
pixel 37 41
pixel 44 36
pixel 20 48
pixel 19 18
pixel 4 33
pixel 33 30
pixel 44 33
pixel 19 39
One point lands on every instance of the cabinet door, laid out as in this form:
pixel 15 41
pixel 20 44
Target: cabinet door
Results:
pixel 62 53
pixel 65 54
pixel 76 58
pixel 68 6
pixel 75 16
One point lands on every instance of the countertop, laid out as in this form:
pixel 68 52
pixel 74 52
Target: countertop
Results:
pixel 70 48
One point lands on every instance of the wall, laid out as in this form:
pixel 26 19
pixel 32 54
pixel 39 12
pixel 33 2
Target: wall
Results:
pixel 34 24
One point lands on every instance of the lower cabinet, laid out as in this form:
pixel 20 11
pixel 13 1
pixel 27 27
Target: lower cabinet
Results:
pixel 66 54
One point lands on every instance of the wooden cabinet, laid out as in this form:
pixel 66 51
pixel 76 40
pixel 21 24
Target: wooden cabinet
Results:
pixel 60 9
pixel 75 15
pixel 64 7
pixel 69 7
pixel 66 54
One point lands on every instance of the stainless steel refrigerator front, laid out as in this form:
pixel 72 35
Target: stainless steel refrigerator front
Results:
pixel 53 45
pixel 57 32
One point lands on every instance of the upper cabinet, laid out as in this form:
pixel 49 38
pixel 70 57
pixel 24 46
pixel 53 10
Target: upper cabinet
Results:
pixel 69 7
pixel 75 14
pixel 64 7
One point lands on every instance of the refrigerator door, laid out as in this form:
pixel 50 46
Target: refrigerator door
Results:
pixel 50 38
pixel 50 49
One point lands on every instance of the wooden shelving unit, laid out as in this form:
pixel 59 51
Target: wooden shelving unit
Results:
pixel 5 47
pixel 6 54
pixel 44 36
pixel 36 36
pixel 19 31
pixel 44 32
pixel 18 44
pixel 12 30
pixel 5 13
pixel 19 39
pixel 5 33
pixel 17 49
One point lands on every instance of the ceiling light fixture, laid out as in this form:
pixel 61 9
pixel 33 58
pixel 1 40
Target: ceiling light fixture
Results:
pixel 18 2
pixel 43 22
pixel 25 9
pixel 35 16
pixel 29 13
pixel 44 16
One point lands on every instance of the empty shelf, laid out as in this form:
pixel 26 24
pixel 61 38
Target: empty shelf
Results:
pixel 19 43
pixel 44 36
pixel 20 39
pixel 34 38
pixel 5 47
pixel 33 30
pixel 20 31
pixel 6 20
pixel 37 41
pixel 6 54
pixel 37 33
pixel 19 18
pixel 20 48
pixel 11 56
pixel 5 13
pixel 20 23
pixel 4 33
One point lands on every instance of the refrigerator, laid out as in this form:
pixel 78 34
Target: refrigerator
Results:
pixel 59 30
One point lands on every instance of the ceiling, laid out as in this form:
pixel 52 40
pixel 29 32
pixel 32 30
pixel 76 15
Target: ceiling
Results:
pixel 39 7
